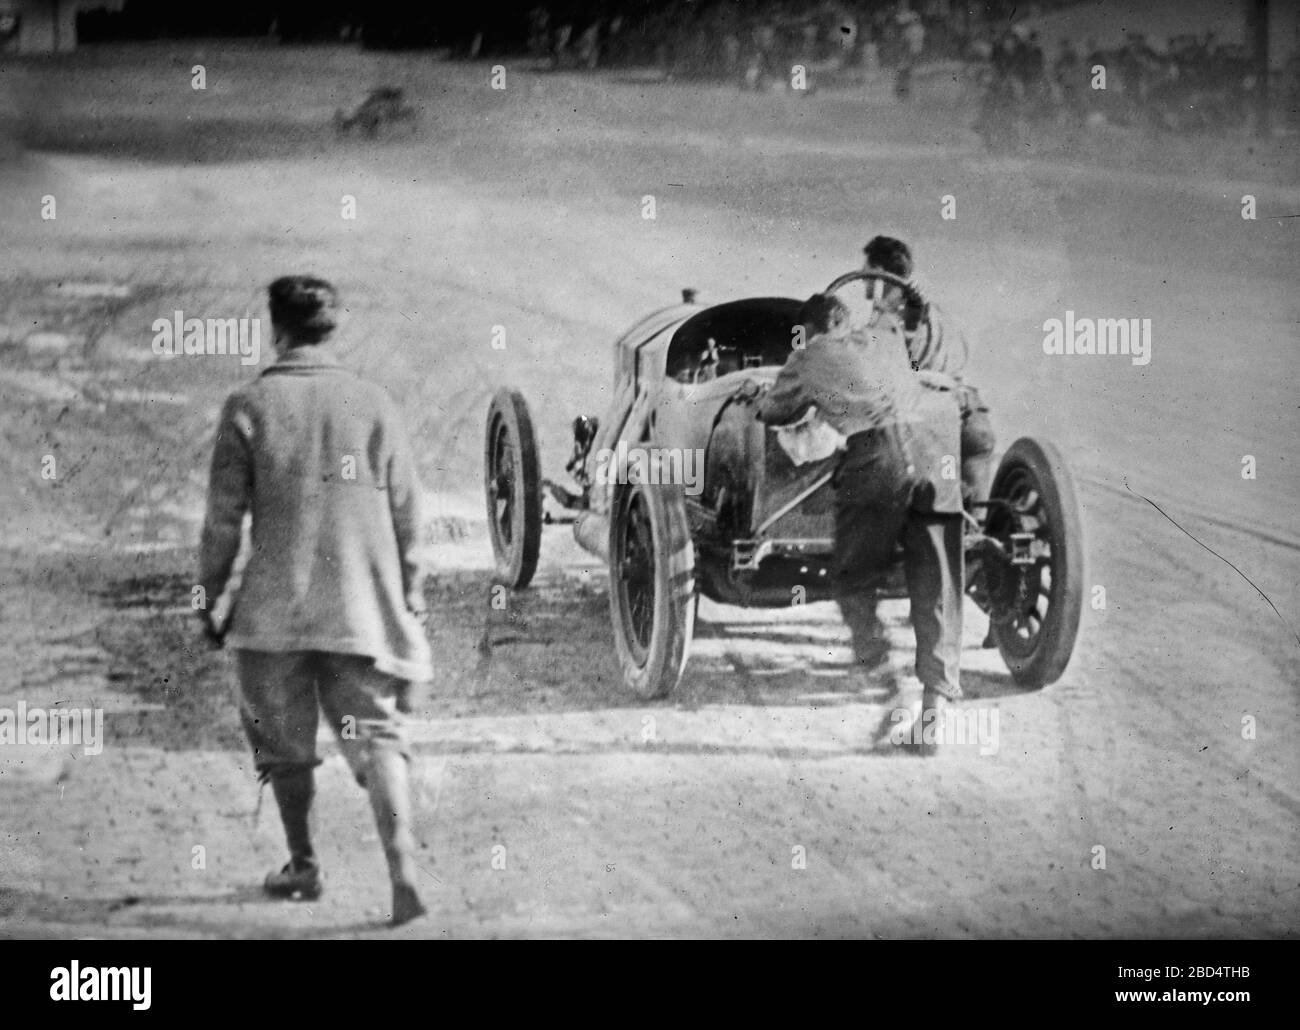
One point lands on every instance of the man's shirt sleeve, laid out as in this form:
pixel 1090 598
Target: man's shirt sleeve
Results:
pixel 936 344
pixel 405 503
pixel 788 399
pixel 230 492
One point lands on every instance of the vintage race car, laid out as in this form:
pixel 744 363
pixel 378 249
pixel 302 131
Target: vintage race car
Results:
pixel 683 492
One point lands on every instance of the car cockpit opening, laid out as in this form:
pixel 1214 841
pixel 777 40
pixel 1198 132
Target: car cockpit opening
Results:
pixel 743 334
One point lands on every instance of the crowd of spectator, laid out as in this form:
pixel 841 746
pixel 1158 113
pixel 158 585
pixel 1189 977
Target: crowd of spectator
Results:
pixel 1195 83
pixel 756 44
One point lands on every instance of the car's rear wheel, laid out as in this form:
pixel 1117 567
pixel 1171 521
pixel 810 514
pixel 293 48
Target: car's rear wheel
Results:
pixel 651 585
pixel 513 484
pixel 1035 605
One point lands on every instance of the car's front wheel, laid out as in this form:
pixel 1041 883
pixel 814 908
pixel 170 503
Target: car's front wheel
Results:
pixel 651 584
pixel 512 482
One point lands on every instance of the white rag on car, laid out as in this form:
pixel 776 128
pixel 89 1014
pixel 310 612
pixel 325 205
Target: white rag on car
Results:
pixel 810 439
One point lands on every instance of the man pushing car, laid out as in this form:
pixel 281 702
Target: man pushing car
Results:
pixel 887 492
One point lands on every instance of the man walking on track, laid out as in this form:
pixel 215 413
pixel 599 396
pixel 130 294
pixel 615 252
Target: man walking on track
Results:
pixel 328 616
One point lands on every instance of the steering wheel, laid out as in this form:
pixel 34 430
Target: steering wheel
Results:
pixel 875 290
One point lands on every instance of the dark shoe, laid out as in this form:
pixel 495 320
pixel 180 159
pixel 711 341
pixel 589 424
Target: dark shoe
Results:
pixel 900 712
pixel 893 733
pixel 930 730
pixel 295 882
pixel 390 800
pixel 406 905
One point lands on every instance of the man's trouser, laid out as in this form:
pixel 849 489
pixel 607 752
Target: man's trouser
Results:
pixel 283 694
pixel 873 484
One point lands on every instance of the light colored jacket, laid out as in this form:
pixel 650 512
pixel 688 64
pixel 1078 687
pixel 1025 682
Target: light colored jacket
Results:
pixel 937 345
pixel 322 460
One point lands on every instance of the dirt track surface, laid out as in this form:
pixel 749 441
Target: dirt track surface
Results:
pixel 523 209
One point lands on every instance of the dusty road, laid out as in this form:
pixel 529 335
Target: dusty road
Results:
pixel 550 803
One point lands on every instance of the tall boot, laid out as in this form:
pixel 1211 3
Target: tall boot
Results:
pixel 294 788
pixel 390 798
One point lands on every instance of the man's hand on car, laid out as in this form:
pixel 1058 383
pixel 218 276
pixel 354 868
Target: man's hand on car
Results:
pixel 750 390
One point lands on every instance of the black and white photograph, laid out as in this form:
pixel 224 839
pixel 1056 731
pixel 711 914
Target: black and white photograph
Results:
pixel 651 469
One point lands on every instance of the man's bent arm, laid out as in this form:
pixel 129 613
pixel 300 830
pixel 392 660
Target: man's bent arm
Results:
pixel 230 490
pixel 787 401
pixel 406 507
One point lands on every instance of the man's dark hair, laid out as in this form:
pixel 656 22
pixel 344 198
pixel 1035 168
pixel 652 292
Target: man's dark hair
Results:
pixel 822 312
pixel 305 306
pixel 890 255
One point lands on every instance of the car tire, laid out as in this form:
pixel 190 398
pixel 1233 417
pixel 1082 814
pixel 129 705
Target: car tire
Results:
pixel 512 483
pixel 1035 617
pixel 651 584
